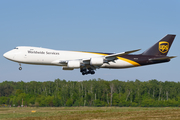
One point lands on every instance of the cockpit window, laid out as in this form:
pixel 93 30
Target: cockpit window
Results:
pixel 16 48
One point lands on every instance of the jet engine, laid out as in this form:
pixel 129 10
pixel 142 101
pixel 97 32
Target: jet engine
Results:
pixel 73 64
pixel 97 61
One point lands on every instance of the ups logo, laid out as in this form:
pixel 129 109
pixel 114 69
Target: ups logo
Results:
pixel 163 47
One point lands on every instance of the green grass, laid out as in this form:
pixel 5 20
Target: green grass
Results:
pixel 90 113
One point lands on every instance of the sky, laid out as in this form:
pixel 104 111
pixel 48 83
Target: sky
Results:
pixel 96 25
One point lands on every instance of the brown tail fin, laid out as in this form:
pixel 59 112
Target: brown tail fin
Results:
pixel 161 48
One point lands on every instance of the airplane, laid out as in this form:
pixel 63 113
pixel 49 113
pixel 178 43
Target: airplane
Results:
pixel 88 62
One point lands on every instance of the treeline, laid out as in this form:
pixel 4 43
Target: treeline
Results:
pixel 94 92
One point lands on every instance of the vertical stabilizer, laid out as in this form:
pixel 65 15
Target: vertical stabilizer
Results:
pixel 161 48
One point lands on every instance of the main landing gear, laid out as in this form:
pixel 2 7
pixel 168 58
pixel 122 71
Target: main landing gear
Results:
pixel 85 71
pixel 20 68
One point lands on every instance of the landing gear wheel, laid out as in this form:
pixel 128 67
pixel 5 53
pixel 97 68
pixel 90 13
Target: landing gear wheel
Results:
pixel 92 72
pixel 85 72
pixel 20 68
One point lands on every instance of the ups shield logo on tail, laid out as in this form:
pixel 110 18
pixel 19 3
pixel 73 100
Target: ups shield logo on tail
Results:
pixel 163 47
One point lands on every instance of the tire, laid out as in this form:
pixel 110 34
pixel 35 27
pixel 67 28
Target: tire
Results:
pixel 92 72
pixel 20 68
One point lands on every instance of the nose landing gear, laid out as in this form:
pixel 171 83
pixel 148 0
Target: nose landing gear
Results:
pixel 20 68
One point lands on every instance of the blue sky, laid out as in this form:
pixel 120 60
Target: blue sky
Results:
pixel 95 25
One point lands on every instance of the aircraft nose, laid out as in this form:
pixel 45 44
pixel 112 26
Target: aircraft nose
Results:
pixel 5 55
pixel 8 55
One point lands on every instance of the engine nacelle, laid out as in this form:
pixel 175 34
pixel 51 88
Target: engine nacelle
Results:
pixel 97 61
pixel 73 64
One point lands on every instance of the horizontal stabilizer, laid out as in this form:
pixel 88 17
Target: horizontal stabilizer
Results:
pixel 163 58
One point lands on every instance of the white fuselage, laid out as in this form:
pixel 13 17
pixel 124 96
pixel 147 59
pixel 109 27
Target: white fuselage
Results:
pixel 87 62
pixel 43 56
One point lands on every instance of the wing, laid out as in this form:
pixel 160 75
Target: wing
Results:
pixel 113 57
pixel 91 63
